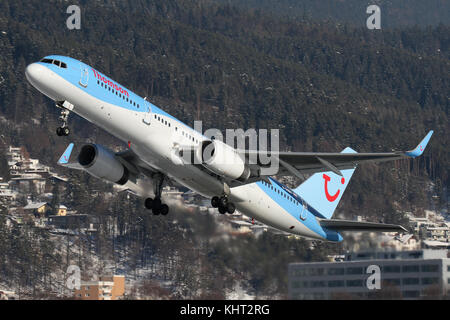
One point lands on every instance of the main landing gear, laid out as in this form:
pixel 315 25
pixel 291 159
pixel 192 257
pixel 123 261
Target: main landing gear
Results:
pixel 223 204
pixel 64 117
pixel 155 204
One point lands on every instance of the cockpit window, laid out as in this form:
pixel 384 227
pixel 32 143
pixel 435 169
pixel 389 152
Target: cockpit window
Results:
pixel 55 62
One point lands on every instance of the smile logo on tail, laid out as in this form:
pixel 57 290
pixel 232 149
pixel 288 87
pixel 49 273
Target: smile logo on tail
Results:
pixel 331 198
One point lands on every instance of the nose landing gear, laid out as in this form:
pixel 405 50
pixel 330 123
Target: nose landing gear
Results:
pixel 223 204
pixel 62 131
pixel 64 117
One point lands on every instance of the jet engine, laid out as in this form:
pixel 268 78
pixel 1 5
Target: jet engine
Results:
pixel 102 163
pixel 223 160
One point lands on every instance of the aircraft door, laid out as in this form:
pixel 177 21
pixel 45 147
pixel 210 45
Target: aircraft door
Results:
pixel 147 115
pixel 84 78
pixel 303 211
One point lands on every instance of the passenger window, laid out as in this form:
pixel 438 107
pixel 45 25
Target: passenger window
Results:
pixel 56 63
pixel 63 65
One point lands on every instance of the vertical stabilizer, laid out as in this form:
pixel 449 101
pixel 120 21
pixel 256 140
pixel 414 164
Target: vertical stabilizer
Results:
pixel 324 190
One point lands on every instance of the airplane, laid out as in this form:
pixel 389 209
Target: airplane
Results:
pixel 156 142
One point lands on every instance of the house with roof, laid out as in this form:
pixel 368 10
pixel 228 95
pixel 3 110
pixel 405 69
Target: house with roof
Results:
pixel 106 288
pixel 62 210
pixel 38 209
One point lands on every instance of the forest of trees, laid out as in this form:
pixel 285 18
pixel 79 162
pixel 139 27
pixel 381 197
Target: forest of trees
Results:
pixel 394 14
pixel 324 85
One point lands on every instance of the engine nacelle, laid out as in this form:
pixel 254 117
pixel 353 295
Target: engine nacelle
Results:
pixel 223 160
pixel 102 163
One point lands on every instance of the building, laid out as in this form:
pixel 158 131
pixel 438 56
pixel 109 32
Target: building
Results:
pixel 405 242
pixel 69 221
pixel 431 227
pixel 433 244
pixel 39 209
pixel 7 295
pixel 6 194
pixel 106 288
pixel 240 227
pixel 410 274
pixel 62 210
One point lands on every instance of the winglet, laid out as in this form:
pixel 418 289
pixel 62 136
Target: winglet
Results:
pixel 420 147
pixel 66 155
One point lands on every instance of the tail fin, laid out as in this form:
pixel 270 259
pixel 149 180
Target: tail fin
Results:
pixel 324 190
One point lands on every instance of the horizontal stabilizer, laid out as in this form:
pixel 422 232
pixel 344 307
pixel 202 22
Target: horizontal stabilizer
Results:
pixel 349 225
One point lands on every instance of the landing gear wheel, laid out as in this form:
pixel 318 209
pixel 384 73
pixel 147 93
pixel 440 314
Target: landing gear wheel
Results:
pixel 230 208
pixel 164 209
pixel 156 211
pixel 156 203
pixel 62 131
pixel 223 202
pixel 149 203
pixel 222 210
pixel 215 201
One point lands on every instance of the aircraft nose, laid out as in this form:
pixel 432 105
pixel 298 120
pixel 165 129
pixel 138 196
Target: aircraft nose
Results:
pixel 42 78
pixel 33 72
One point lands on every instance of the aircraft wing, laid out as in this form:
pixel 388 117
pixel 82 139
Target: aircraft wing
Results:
pixel 297 163
pixel 348 225
pixel 128 158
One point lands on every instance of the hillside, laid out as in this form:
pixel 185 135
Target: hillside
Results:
pixel 394 13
